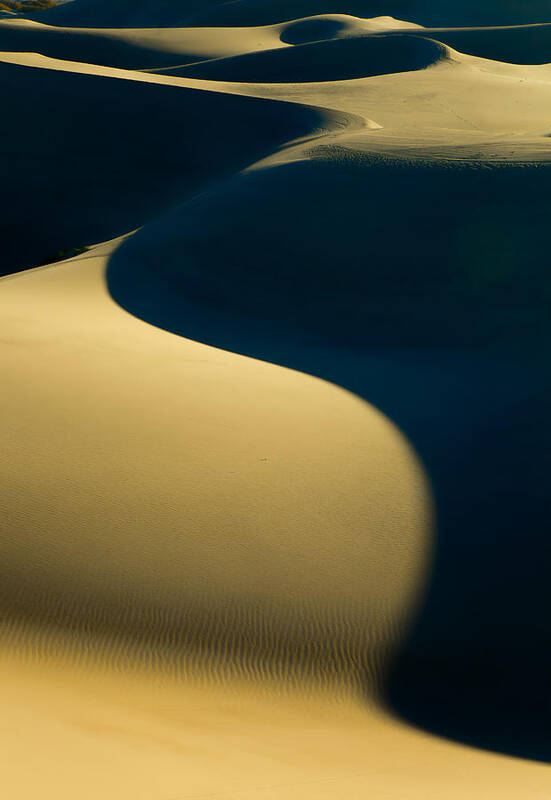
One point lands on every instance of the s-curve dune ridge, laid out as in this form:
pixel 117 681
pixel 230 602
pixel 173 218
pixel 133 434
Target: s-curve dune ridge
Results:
pixel 274 334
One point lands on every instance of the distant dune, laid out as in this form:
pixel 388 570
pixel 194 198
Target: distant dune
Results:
pixel 160 13
pixel 145 48
pixel 335 59
pixel 275 330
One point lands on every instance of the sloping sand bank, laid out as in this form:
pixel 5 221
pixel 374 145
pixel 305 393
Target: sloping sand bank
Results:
pixel 216 536
pixel 135 48
pixel 118 735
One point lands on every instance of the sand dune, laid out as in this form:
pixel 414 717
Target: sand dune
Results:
pixel 126 736
pixel 135 48
pixel 333 26
pixel 149 48
pixel 193 531
pixel 338 248
pixel 275 454
pixel 113 152
pixel 161 48
pixel 527 44
pixel 127 13
pixel 335 59
pixel 426 12
pixel 167 13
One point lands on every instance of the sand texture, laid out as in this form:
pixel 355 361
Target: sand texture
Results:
pixel 275 319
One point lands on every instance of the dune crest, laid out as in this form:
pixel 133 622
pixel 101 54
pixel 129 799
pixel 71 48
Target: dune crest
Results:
pixel 135 48
pixel 168 13
pixel 329 60
pixel 331 26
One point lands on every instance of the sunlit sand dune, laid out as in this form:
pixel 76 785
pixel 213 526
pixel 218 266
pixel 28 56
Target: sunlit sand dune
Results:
pixel 105 13
pixel 119 735
pixel 274 495
pixel 202 524
pixel 136 48
pixel 144 48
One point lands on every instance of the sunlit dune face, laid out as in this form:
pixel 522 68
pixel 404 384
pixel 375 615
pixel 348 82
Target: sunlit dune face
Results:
pixel 238 518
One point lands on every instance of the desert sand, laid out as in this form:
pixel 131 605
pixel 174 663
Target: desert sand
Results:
pixel 274 337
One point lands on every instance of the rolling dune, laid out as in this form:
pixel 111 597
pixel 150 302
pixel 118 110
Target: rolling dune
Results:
pixel 274 500
pixel 148 48
pixel 163 48
pixel 336 26
pixel 338 272
pixel 134 48
pixel 335 59
pixel 127 13
pixel 207 537
pixel 167 13
pixel 526 44
pixel 148 142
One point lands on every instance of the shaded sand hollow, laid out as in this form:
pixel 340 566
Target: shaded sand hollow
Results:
pixel 274 454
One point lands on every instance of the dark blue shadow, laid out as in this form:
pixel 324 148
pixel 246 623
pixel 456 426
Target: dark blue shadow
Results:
pixel 460 364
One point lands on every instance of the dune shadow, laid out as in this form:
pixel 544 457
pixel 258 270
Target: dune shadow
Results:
pixel 331 60
pixel 304 31
pixel 425 290
pixel 530 44
pixel 87 47
pixel 140 13
pixel 106 139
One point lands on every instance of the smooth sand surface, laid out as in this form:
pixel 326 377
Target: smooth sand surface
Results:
pixel 224 575
pixel 136 48
pixel 142 48
pixel 104 13
pixel 204 493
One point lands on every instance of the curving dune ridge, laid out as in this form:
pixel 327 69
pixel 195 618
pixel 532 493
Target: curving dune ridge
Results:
pixel 274 501
pixel 335 59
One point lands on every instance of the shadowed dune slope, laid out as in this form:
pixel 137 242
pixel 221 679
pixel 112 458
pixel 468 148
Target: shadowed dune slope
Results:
pixel 424 12
pixel 423 288
pixel 126 150
pixel 529 44
pixel 139 13
pixel 236 440
pixel 371 250
pixel 333 60
pixel 153 48
pixel 150 48
pixel 145 48
pixel 317 28
pixel 461 109
pixel 334 26
pixel 413 271
pixel 85 46
pixel 127 13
